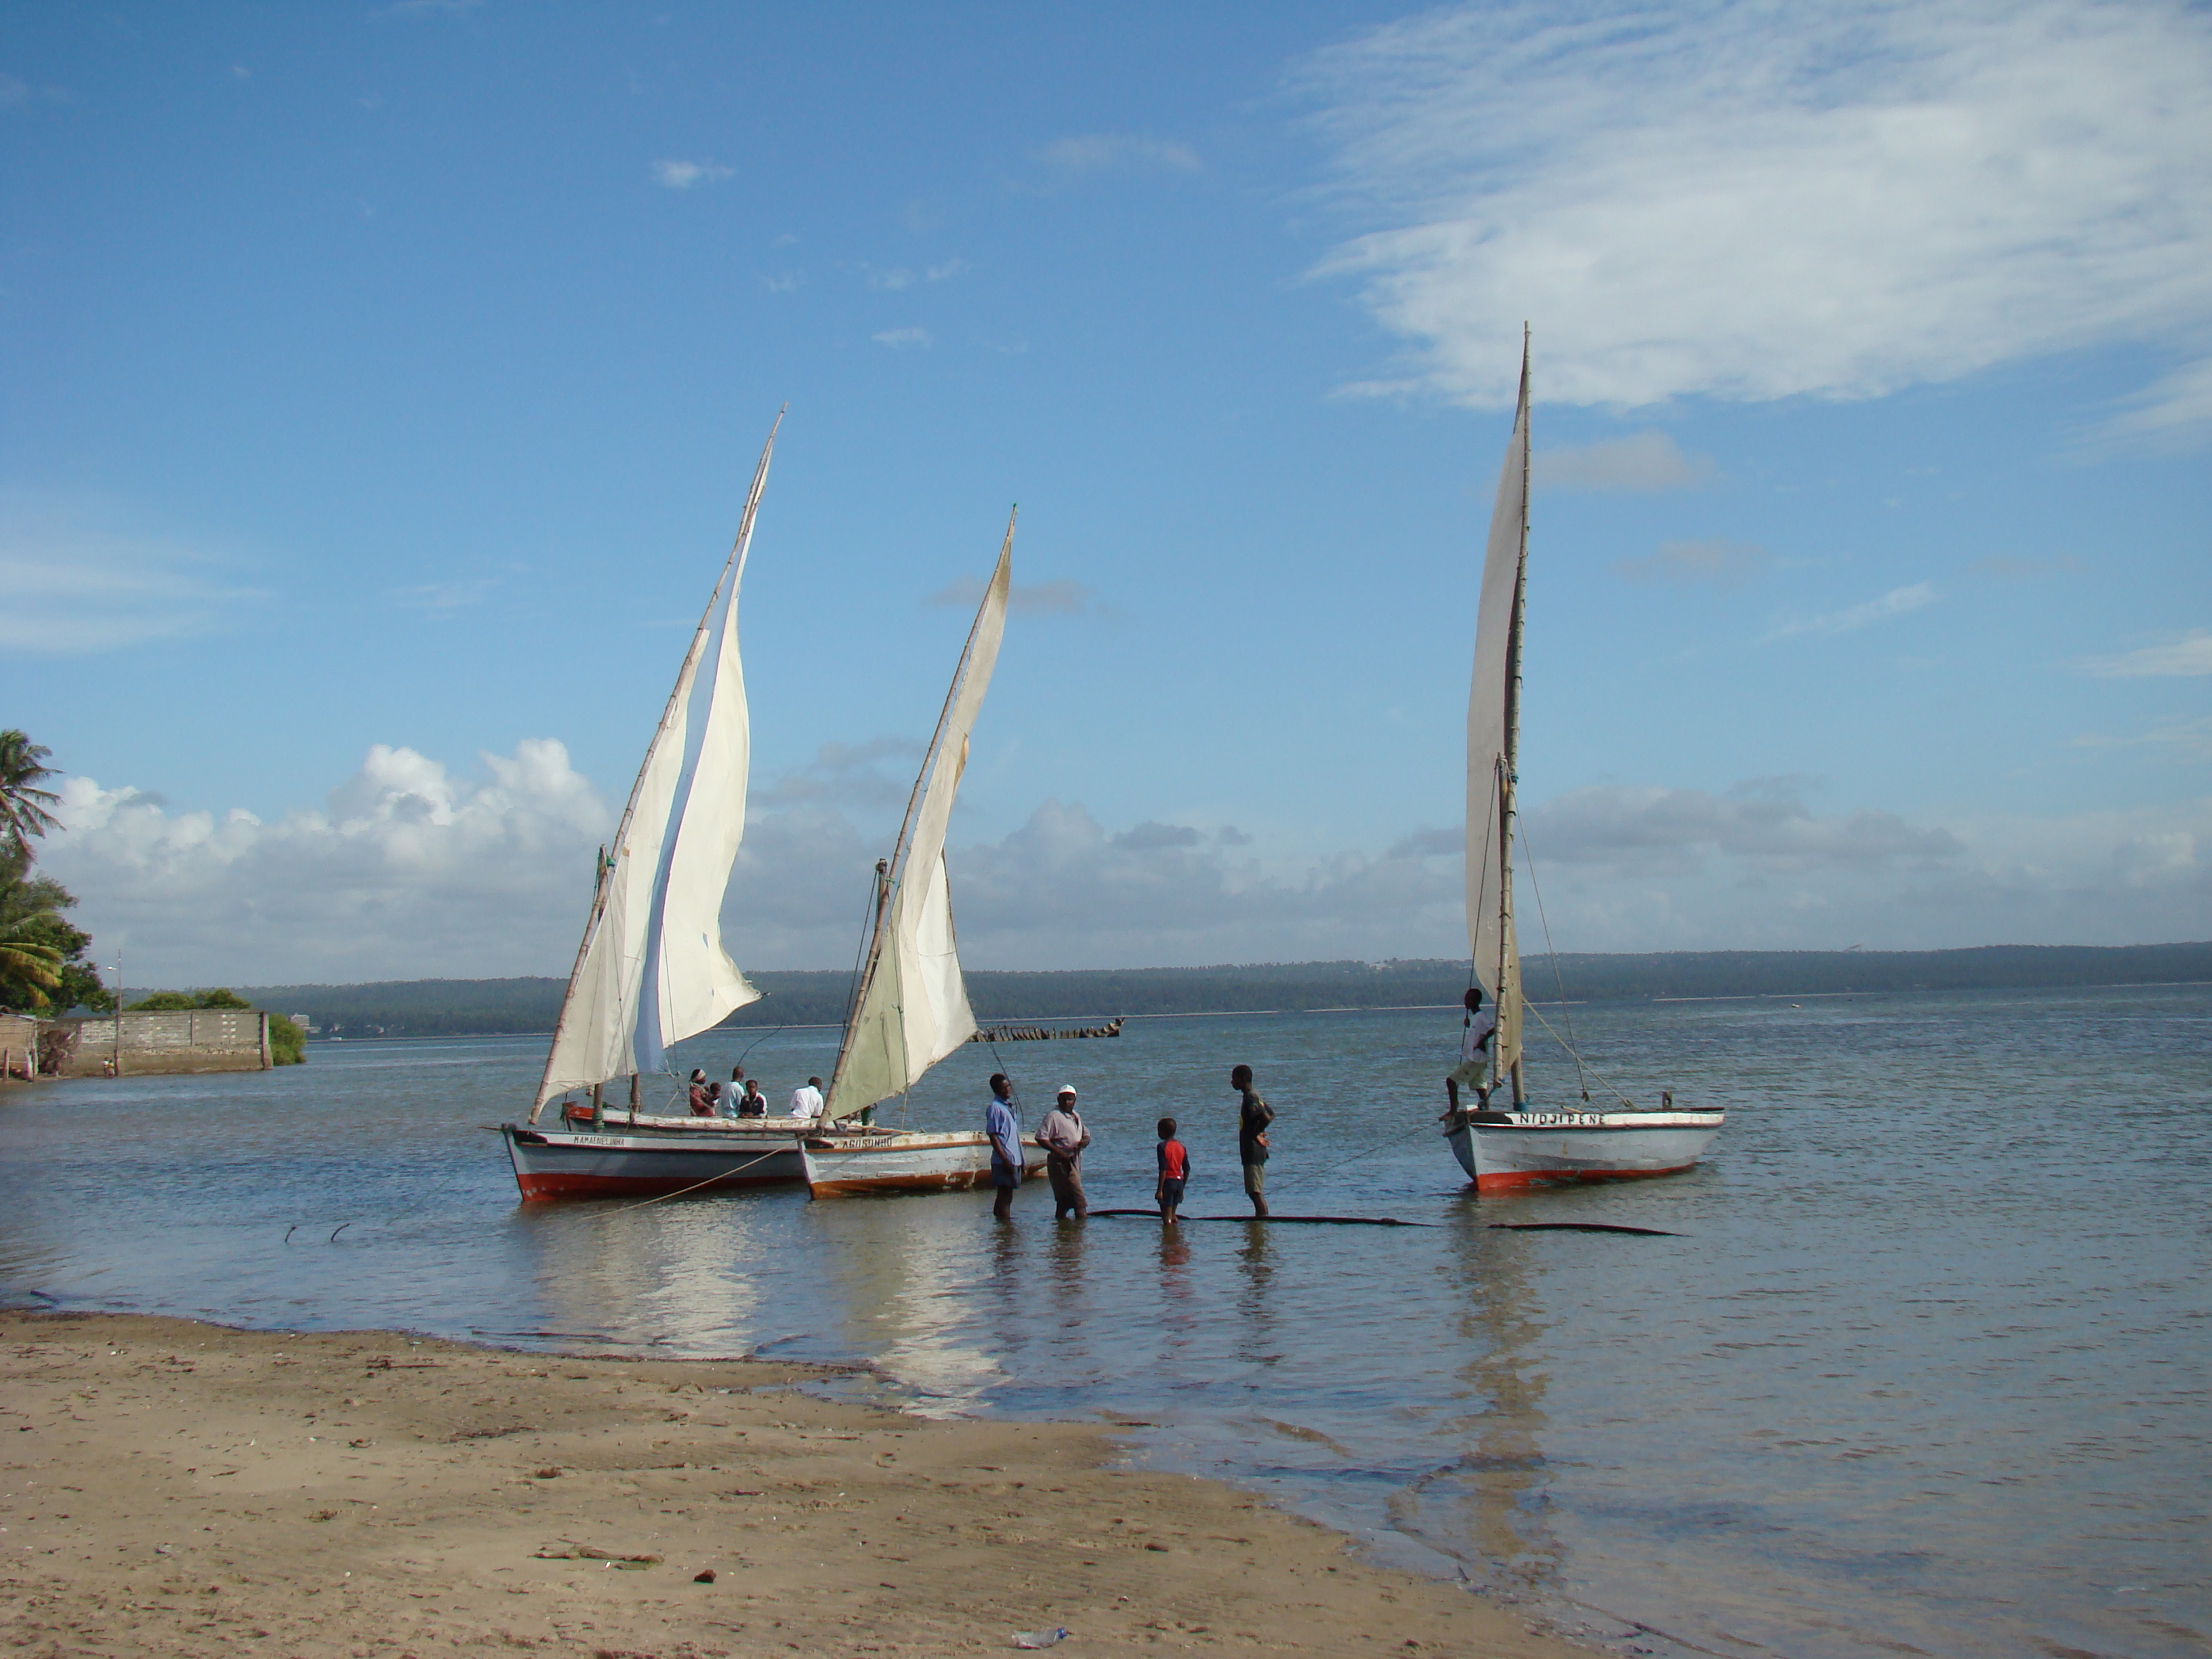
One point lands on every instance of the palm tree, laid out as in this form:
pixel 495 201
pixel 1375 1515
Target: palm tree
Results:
pixel 23 805
pixel 28 969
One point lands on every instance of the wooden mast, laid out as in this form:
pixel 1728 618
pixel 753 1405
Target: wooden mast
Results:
pixel 1508 951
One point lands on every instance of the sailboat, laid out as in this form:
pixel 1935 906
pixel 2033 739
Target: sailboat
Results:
pixel 911 1005
pixel 1504 1150
pixel 651 969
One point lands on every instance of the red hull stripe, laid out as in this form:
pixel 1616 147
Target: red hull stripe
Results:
pixel 541 1186
pixel 1516 1180
pixel 955 1181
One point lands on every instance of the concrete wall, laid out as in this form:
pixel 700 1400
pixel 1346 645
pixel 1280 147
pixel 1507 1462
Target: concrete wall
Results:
pixel 19 1044
pixel 195 1040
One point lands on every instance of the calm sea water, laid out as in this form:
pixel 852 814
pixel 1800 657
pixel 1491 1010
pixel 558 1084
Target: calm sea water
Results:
pixel 1924 1372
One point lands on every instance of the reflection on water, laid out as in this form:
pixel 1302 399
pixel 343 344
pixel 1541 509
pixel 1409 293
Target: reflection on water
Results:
pixel 1924 1370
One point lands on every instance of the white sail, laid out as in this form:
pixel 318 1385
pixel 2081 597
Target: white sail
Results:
pixel 651 969
pixel 913 1006
pixel 1492 718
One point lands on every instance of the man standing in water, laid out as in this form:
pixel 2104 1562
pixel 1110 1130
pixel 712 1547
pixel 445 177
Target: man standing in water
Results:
pixel 1063 1138
pixel 1252 1118
pixel 1005 1131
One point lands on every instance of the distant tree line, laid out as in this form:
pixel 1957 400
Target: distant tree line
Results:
pixel 477 1007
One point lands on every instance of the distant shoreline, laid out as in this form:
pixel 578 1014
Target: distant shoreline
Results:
pixel 815 1000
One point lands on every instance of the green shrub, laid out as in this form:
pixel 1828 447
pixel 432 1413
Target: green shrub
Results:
pixel 288 1043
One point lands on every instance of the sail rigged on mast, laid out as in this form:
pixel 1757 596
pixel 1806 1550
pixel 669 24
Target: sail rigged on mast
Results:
pixel 1492 739
pixel 651 969
pixel 913 1007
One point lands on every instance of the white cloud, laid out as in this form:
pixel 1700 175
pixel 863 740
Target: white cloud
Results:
pixel 1765 822
pixel 2183 740
pixel 408 871
pixel 898 339
pixel 2189 655
pixel 683 175
pixel 899 276
pixel 80 579
pixel 1895 603
pixel 1101 152
pixel 1645 460
pixel 1726 562
pixel 1747 201
pixel 440 599
pixel 1063 598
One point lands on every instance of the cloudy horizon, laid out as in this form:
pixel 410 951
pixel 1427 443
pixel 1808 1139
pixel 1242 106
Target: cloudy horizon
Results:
pixel 409 870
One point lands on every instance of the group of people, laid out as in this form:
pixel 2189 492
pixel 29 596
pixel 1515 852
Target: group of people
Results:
pixel 741 1096
pixel 1064 1138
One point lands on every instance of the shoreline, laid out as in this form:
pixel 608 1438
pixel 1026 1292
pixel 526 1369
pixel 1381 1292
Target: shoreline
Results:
pixel 177 1487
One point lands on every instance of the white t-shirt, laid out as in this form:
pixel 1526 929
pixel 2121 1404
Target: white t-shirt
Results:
pixel 1479 1028
pixel 806 1101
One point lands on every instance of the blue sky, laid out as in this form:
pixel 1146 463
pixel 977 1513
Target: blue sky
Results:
pixel 382 383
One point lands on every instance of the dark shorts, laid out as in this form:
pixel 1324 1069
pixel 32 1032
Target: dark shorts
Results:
pixel 1171 1195
pixel 1004 1174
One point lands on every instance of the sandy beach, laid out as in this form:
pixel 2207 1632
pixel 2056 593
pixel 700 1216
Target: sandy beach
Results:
pixel 179 1488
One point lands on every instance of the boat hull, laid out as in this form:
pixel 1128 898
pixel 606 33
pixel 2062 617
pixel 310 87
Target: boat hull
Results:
pixel 552 1164
pixel 905 1164
pixel 1511 1151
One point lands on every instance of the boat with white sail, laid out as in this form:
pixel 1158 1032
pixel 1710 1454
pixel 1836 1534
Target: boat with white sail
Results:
pixel 911 1005
pixel 651 969
pixel 1504 1149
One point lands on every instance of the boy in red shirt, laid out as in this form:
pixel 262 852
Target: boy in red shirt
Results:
pixel 1175 1169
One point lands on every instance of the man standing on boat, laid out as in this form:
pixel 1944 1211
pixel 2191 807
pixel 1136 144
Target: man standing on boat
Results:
pixel 806 1103
pixel 1005 1131
pixel 1063 1138
pixel 1476 1031
pixel 1254 1114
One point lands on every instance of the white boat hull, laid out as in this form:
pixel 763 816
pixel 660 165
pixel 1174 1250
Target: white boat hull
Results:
pixel 1509 1152
pixel 623 1162
pixel 904 1163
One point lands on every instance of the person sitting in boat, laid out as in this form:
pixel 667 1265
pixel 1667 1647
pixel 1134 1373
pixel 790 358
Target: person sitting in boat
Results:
pixel 752 1102
pixel 806 1103
pixel 702 1098
pixel 1477 1028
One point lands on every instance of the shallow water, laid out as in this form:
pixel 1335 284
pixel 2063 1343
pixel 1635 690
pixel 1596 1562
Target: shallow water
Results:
pixel 1925 1370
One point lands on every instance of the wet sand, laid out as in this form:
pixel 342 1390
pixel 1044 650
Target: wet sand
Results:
pixel 171 1487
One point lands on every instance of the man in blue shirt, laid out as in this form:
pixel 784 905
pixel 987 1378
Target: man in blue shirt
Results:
pixel 1005 1131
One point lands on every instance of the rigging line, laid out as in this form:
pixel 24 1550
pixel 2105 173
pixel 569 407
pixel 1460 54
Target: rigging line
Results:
pixel 1482 886
pixel 1594 1071
pixel 1558 978
pixel 757 1041
pixel 604 1214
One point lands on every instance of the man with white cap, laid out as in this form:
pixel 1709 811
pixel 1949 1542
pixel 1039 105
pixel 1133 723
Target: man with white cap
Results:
pixel 1063 1138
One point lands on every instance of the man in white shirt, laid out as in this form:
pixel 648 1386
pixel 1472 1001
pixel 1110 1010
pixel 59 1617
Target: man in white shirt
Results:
pixel 1476 1031
pixel 806 1103
pixel 1063 1138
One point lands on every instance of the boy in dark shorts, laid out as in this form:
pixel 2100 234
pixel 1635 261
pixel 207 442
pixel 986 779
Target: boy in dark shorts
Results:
pixel 1175 1169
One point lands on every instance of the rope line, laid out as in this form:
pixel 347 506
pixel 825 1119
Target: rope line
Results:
pixel 1553 949
pixel 1594 1071
pixel 663 1197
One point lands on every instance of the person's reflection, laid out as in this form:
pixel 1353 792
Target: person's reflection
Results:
pixel 1255 1257
pixel 1493 1494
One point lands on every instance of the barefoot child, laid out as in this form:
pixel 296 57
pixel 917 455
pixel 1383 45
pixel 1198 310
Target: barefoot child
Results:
pixel 1175 1169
